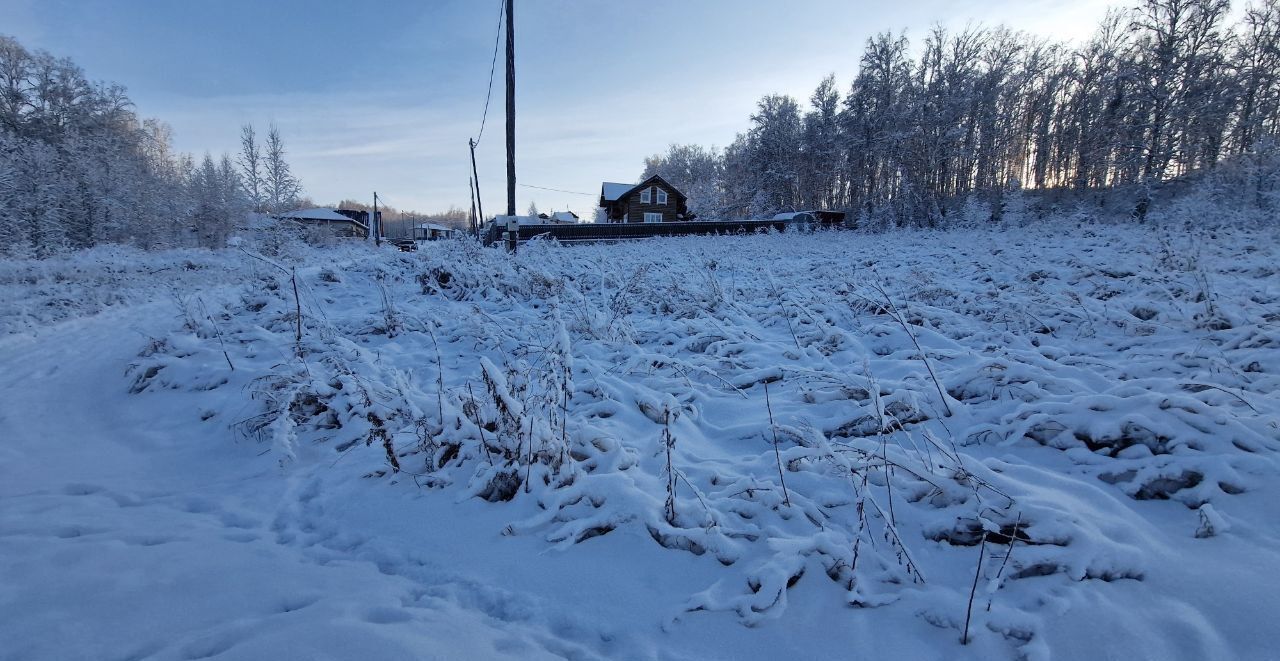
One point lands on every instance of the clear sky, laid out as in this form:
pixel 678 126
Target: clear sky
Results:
pixel 383 95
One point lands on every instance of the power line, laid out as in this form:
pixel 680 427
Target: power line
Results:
pixel 492 66
pixel 558 190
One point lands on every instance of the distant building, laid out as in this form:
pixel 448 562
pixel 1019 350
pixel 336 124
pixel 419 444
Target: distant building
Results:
pixel 650 201
pixel 560 217
pixel 433 232
pixel 811 216
pixel 337 222
pixel 540 219
pixel 360 216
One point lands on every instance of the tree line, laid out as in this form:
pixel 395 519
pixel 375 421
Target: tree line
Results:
pixel 1159 90
pixel 79 168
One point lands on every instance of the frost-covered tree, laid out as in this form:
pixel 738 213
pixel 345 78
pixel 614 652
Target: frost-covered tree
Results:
pixel 974 212
pixel 820 148
pixel 251 167
pixel 1179 50
pixel 1161 90
pixel 696 171
pixel 739 191
pixel 78 168
pixel 217 200
pixel 774 154
pixel 280 187
pixel 1257 56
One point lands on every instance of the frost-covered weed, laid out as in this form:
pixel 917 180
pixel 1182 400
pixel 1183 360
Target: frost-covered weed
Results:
pixel 923 389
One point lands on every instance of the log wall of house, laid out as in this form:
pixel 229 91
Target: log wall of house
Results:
pixel 635 209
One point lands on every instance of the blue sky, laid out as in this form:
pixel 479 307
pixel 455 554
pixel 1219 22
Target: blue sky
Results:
pixel 383 95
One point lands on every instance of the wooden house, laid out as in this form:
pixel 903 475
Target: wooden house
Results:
pixel 650 201
pixel 341 225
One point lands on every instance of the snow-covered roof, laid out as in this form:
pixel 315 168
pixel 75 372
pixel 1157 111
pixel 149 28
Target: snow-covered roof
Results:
pixel 564 217
pixel 318 213
pixel 434 226
pixel 611 191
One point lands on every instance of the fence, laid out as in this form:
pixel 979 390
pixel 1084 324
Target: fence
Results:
pixel 495 233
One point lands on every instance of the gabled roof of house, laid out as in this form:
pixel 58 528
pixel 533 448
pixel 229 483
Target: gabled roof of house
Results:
pixel 612 192
pixel 564 216
pixel 318 213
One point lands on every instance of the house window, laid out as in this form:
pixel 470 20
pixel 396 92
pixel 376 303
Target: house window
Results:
pixel 653 218
pixel 662 196
pixel 646 196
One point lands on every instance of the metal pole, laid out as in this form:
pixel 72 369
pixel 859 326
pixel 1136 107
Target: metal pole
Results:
pixel 511 109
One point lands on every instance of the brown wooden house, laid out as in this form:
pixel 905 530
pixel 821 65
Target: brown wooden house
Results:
pixel 650 201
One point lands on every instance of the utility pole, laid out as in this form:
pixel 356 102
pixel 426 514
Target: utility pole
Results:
pixel 475 178
pixel 511 109
pixel 374 225
pixel 475 225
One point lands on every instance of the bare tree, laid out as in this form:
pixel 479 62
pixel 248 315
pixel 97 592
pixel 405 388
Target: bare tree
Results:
pixel 251 167
pixel 280 187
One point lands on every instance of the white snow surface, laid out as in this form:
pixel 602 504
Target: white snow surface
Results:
pixel 470 455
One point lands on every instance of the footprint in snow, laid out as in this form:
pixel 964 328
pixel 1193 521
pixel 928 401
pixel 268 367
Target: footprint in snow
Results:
pixel 79 489
pixel 234 520
pixel 241 537
pixel 73 531
pixel 387 615
pixel 297 603
pixel 197 505
pixel 210 646
pixel 149 540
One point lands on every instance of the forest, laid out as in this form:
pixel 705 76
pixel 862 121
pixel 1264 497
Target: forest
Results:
pixel 964 122
pixel 79 168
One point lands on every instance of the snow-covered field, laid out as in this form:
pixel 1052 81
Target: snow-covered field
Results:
pixel 1062 438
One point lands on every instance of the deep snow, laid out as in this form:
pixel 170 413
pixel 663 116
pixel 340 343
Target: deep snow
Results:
pixel 1101 399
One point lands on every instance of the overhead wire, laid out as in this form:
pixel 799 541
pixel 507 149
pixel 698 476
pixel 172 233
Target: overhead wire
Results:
pixel 497 38
pixel 558 190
